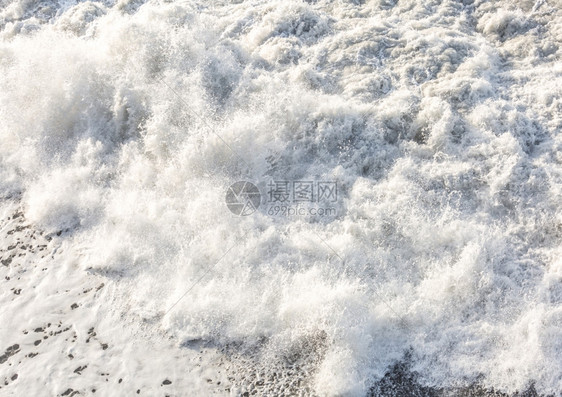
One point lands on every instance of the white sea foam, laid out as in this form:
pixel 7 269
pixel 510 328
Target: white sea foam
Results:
pixel 123 124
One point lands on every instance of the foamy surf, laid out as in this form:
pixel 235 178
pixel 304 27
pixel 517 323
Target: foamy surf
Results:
pixel 406 239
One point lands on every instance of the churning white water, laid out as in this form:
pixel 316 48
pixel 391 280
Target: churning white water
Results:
pixel 123 123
